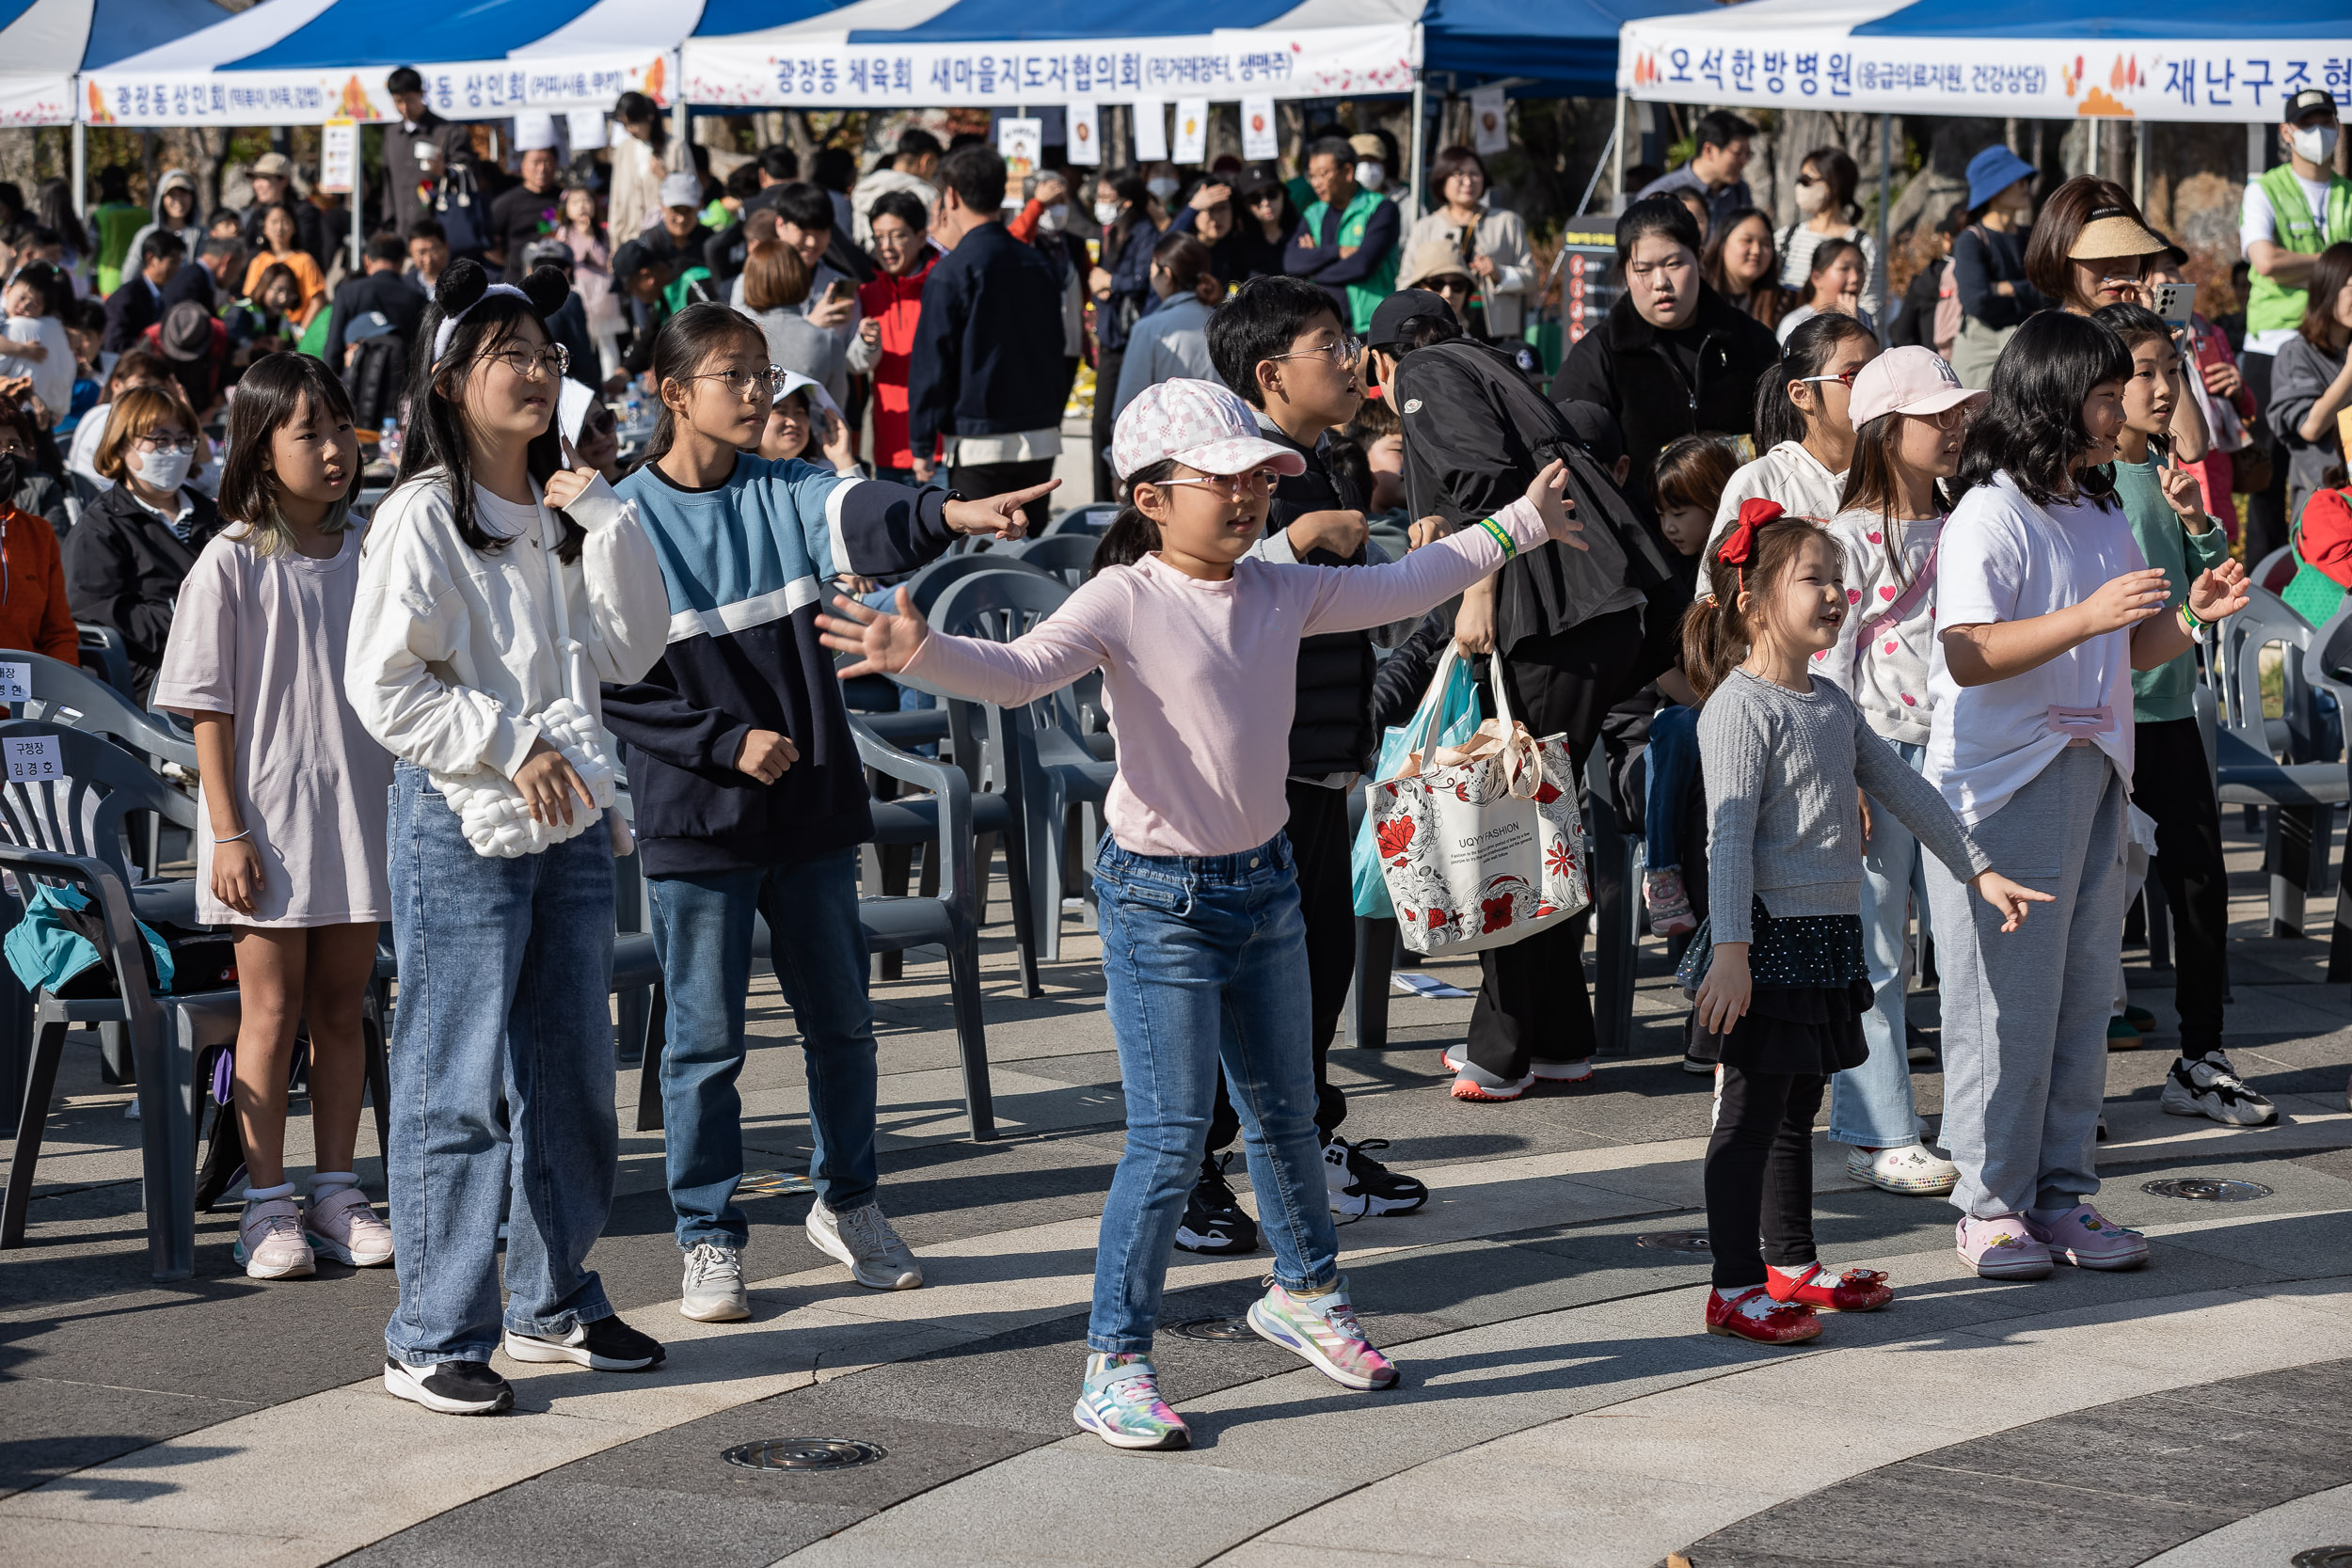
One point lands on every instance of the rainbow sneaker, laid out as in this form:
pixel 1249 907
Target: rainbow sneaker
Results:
pixel 1120 1403
pixel 1322 1331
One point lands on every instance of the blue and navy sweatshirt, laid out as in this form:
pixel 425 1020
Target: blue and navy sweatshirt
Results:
pixel 748 563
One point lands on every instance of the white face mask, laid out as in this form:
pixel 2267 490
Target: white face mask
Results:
pixel 2315 142
pixel 1107 213
pixel 1054 217
pixel 1371 175
pixel 1813 198
pixel 1162 188
pixel 164 469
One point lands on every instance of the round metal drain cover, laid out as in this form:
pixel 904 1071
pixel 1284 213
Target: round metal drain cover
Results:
pixel 2207 1191
pixel 805 1453
pixel 2323 1557
pixel 1216 1329
pixel 1673 1241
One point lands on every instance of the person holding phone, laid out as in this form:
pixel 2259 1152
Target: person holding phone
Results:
pixel 775 285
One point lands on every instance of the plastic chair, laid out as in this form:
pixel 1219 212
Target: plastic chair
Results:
pixel 2327 666
pixel 926 586
pixel 1066 555
pixel 2276 570
pixel 1090 519
pixel 894 924
pixel 103 650
pixel 1035 752
pixel 2298 795
pixel 65 694
pixel 70 830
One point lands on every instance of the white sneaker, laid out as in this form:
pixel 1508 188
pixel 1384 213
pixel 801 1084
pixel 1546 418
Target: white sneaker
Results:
pixel 1910 1168
pixel 713 1289
pixel 864 1239
pixel 2209 1086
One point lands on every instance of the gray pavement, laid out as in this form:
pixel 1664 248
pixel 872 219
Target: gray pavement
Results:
pixel 1560 1405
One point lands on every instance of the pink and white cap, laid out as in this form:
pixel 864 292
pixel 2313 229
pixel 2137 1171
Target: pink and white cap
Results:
pixel 1908 380
pixel 1199 425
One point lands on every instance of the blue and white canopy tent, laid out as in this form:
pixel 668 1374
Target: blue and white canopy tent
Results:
pixel 45 43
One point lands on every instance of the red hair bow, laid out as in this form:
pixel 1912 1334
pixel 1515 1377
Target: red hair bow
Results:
pixel 1738 546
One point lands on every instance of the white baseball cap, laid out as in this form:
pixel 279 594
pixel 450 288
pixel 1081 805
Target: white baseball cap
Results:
pixel 1199 425
pixel 681 190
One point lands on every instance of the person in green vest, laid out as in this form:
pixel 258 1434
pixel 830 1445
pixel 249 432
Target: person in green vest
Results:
pixel 1347 240
pixel 2290 215
pixel 112 224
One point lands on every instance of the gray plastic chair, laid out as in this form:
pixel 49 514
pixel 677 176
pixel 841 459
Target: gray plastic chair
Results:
pixel 2298 795
pixel 1066 555
pixel 65 694
pixel 1090 519
pixel 101 649
pixel 2327 667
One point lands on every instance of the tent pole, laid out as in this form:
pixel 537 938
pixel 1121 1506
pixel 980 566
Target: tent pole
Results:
pixel 81 169
pixel 1421 106
pixel 2139 165
pixel 1887 170
pixel 359 200
pixel 682 132
pixel 2091 159
pixel 1618 200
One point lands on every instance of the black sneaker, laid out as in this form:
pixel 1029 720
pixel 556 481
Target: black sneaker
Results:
pixel 452 1387
pixel 2208 1086
pixel 606 1345
pixel 1213 1219
pixel 1360 1185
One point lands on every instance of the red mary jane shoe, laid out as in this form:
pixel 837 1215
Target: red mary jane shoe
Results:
pixel 1855 1290
pixel 1738 1318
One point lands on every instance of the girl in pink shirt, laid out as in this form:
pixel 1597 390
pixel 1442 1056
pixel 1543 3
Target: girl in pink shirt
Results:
pixel 1202 942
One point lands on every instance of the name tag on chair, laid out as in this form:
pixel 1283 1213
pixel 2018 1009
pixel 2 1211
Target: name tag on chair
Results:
pixel 35 758
pixel 16 682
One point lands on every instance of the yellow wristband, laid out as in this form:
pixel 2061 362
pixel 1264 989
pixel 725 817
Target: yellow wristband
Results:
pixel 1501 536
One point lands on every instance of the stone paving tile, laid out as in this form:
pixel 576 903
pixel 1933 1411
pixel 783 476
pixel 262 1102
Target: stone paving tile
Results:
pixel 2272 1536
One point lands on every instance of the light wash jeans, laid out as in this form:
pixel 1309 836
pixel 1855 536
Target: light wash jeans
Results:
pixel 1204 960
pixel 505 971
pixel 701 928
pixel 1871 1105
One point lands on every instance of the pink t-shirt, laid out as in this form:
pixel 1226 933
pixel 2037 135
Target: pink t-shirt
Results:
pixel 1199 677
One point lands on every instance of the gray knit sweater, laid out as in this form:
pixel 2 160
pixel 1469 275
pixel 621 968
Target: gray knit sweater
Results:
pixel 1782 824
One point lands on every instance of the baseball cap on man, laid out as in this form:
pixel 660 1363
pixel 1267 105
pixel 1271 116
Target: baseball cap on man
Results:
pixel 2307 100
pixel 1908 380
pixel 1390 316
pixel 275 164
pixel 681 190
pixel 1198 424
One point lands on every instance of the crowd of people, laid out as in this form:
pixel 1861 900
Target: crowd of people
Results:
pixel 1881 615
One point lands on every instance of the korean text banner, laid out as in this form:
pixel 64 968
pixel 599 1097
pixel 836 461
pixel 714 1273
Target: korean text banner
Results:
pixel 484 89
pixel 1316 62
pixel 1682 59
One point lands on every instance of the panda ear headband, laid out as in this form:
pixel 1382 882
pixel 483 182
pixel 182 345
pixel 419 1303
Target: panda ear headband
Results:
pixel 465 285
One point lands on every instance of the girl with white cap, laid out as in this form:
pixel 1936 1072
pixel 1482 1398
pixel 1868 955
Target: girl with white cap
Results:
pixel 1910 412
pixel 1203 941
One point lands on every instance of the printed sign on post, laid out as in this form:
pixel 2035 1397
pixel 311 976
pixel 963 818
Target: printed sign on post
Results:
pixel 33 758
pixel 338 155
pixel 586 129
pixel 1085 136
pixel 1260 138
pixel 1192 131
pixel 1150 131
pixel 1021 143
pixel 16 682
pixel 1491 126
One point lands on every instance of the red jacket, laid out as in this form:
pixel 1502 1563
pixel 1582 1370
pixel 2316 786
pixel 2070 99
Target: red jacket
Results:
pixel 896 303
pixel 34 616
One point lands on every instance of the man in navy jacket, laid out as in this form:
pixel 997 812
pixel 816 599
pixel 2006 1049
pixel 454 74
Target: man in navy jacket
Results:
pixel 987 362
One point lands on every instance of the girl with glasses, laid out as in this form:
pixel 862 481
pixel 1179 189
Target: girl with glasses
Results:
pixel 1802 426
pixel 126 559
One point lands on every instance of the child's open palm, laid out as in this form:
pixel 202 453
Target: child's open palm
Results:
pixel 888 641
pixel 2219 592
pixel 1548 494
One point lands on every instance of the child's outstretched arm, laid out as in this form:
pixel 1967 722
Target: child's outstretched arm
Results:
pixel 1056 652
pixel 1921 807
pixel 1983 651
pixel 1364 596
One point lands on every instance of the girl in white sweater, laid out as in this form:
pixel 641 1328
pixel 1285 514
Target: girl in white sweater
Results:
pixel 497 589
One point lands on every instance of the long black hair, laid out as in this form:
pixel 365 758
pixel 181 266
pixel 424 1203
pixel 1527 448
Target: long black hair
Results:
pixel 269 397
pixel 1132 535
pixel 437 430
pixel 686 342
pixel 2031 427
pixel 1808 352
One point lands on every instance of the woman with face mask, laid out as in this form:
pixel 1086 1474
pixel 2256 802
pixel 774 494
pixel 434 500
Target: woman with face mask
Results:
pixel 126 559
pixel 1825 187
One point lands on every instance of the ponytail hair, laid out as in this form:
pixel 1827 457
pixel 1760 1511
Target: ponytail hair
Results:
pixel 1190 267
pixel 1808 352
pixel 1716 633
pixel 686 342
pixel 1132 535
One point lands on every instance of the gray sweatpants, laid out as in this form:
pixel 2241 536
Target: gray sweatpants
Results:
pixel 2025 1013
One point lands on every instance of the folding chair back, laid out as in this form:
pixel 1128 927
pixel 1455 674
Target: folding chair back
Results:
pixel 67 791
pixel 66 694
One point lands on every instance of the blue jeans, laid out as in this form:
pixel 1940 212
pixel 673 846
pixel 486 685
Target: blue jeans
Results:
pixel 1673 767
pixel 1204 960
pixel 505 971
pixel 1871 1105
pixel 701 928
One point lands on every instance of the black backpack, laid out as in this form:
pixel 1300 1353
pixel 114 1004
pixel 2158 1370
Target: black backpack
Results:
pixel 376 377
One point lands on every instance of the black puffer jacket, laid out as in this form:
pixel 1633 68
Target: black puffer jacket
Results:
pixel 124 565
pixel 1331 727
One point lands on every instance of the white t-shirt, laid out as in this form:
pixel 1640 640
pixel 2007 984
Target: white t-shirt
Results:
pixel 53 378
pixel 2005 559
pixel 1787 474
pixel 2256 221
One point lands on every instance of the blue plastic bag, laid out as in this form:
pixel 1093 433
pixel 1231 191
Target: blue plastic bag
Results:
pixel 1455 690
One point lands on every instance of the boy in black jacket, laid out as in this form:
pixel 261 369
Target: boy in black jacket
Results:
pixel 1279 343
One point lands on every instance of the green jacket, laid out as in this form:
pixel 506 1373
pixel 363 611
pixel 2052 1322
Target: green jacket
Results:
pixel 2270 306
pixel 2168 691
pixel 1363 298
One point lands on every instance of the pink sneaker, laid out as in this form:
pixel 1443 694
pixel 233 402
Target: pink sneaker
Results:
pixel 1323 1332
pixel 1669 903
pixel 2085 1238
pixel 343 1225
pixel 2002 1247
pixel 270 1244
